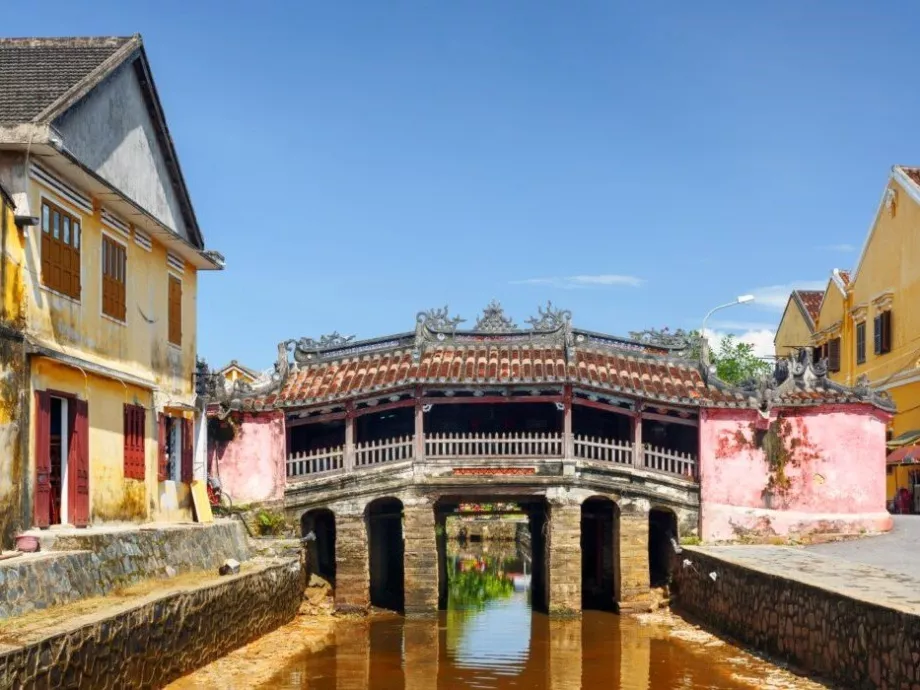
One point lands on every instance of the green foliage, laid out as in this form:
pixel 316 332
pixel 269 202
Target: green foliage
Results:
pixel 473 589
pixel 270 523
pixel 735 362
pixel 690 541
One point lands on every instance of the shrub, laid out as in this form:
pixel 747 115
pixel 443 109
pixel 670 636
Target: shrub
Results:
pixel 270 523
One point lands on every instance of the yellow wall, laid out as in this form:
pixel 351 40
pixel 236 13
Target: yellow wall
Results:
pixel 794 331
pixel 234 374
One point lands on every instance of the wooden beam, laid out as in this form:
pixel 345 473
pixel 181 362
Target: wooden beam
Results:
pixel 317 419
pixel 670 420
pixel 408 402
pixel 493 399
pixel 603 406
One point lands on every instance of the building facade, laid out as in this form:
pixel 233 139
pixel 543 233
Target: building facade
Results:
pixel 797 325
pixel 100 281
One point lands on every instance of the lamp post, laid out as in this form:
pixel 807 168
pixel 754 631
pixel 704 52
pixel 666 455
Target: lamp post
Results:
pixel 704 345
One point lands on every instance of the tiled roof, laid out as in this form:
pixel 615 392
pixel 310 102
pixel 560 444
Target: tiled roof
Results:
pixel 36 72
pixel 811 300
pixel 912 173
pixel 654 378
pixel 844 276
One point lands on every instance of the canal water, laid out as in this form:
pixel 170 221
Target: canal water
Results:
pixel 489 637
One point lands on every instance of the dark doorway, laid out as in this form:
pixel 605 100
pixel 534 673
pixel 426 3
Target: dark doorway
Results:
pixel 662 527
pixel 598 530
pixel 385 534
pixel 321 522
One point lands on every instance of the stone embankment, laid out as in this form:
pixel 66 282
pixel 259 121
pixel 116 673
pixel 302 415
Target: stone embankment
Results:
pixel 78 564
pixel 853 624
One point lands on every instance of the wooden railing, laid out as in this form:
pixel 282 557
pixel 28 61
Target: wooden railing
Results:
pixel 605 450
pixel 373 453
pixel 521 445
pixel 669 461
pixel 316 461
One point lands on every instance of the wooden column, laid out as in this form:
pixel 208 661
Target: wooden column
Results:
pixel 419 426
pixel 349 437
pixel 568 440
pixel 638 459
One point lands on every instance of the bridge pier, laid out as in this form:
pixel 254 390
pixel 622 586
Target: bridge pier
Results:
pixel 564 551
pixel 635 588
pixel 352 573
pixel 421 558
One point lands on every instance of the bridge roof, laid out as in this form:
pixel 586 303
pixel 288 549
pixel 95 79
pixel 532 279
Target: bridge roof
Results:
pixel 497 354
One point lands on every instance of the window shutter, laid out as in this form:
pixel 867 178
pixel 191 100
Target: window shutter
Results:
pixel 78 463
pixel 175 311
pixel 187 450
pixel 162 457
pixel 42 507
pixel 833 355
pixel 886 331
pixel 877 334
pixel 135 434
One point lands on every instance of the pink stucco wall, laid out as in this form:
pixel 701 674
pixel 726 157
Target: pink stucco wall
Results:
pixel 251 467
pixel 838 485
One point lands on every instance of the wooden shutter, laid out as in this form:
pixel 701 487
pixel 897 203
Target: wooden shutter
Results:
pixel 78 463
pixel 877 334
pixel 175 310
pixel 833 355
pixel 114 265
pixel 886 331
pixel 135 456
pixel 162 457
pixel 187 449
pixel 42 507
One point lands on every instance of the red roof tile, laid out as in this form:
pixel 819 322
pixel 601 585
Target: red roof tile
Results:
pixel 643 376
pixel 811 300
pixel 844 276
pixel 912 173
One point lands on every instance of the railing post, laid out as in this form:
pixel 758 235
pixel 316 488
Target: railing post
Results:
pixel 419 429
pixel 349 437
pixel 638 459
pixel 568 441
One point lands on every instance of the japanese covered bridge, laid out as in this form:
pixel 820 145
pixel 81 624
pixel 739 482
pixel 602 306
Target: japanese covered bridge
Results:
pixel 598 439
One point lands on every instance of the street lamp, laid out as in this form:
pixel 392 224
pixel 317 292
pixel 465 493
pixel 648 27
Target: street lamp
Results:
pixel 704 346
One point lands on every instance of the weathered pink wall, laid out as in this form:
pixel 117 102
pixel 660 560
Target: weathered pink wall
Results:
pixel 837 487
pixel 252 466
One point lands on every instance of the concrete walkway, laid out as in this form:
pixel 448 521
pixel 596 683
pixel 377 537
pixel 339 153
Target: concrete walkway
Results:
pixel 875 585
pixel 897 551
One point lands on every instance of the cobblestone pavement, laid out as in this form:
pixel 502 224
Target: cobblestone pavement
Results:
pixel 898 551
pixel 895 589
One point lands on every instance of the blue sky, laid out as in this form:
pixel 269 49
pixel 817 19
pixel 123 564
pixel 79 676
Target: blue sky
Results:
pixel 636 163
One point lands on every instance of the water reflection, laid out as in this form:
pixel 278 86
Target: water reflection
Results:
pixel 490 638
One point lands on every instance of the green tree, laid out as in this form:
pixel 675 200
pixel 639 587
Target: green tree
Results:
pixel 735 361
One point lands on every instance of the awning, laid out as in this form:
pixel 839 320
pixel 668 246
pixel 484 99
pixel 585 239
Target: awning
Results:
pixel 908 438
pixel 906 455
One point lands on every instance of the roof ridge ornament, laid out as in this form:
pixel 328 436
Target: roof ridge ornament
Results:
pixel 438 320
pixel 666 338
pixel 494 320
pixel 550 318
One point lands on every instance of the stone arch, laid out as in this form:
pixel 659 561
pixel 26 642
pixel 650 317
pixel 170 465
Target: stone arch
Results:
pixel 321 523
pixel 384 519
pixel 662 528
pixel 600 518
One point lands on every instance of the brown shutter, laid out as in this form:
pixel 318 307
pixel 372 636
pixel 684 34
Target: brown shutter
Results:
pixel 135 454
pixel 187 449
pixel 42 508
pixel 78 463
pixel 833 355
pixel 175 311
pixel 886 331
pixel 162 458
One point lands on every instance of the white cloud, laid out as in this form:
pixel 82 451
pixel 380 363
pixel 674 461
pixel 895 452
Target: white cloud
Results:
pixel 583 281
pixel 842 248
pixel 775 297
pixel 761 339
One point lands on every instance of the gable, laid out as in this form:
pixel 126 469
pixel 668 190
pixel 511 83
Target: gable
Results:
pixel 832 306
pixel 793 331
pixel 112 132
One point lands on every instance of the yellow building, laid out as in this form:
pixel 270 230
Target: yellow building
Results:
pixel 869 322
pixel 797 326
pixel 237 372
pixel 99 420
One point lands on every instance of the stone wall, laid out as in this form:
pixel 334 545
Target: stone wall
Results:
pixel 484 528
pixel 149 643
pixel 351 560
pixel 853 643
pixel 633 575
pixel 564 549
pixel 797 472
pixel 88 563
pixel 421 558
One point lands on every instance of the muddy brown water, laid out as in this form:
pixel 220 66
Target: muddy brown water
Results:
pixel 490 637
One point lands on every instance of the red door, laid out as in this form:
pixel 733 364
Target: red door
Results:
pixel 42 508
pixel 78 463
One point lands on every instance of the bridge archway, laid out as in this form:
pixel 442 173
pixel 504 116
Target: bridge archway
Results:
pixel 662 527
pixel 384 517
pixel 600 519
pixel 321 522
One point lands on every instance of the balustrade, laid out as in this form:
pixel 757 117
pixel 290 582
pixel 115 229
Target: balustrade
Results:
pixel 522 445
pixel 373 453
pixel 315 462
pixel 604 450
pixel 669 462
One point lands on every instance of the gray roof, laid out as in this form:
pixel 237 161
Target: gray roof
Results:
pixel 38 73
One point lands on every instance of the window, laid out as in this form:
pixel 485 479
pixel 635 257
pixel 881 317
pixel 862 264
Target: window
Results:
pixel 60 250
pixel 883 333
pixel 833 354
pixel 175 310
pixel 820 352
pixel 861 343
pixel 114 263
pixel 134 442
